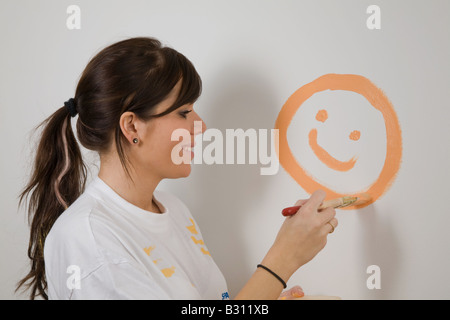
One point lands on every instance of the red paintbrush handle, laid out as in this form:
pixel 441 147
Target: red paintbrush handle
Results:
pixel 290 211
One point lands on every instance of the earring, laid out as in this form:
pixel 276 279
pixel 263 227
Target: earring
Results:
pixel 135 140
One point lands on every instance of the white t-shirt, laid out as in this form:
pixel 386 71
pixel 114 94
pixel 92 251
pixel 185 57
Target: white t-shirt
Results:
pixel 104 247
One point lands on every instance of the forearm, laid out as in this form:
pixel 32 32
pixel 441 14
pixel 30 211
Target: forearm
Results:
pixel 262 284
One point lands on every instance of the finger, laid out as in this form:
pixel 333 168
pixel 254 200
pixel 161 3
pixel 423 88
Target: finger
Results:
pixel 314 201
pixel 327 214
pixel 297 292
pixel 331 225
pixel 301 202
pixel 334 222
pixel 292 293
pixel 285 295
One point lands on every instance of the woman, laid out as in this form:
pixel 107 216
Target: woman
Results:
pixel 120 238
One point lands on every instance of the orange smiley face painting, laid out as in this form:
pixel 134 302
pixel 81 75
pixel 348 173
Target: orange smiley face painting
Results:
pixel 375 96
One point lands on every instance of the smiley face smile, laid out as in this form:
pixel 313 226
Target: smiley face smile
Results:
pixel 323 155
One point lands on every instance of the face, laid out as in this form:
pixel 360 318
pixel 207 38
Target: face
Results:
pixel 152 154
pixel 323 155
pixel 343 165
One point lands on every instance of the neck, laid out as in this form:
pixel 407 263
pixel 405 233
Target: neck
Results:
pixel 138 191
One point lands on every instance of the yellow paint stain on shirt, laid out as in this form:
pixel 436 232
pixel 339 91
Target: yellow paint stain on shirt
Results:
pixel 205 251
pixel 168 272
pixel 148 250
pixel 192 227
pixel 197 241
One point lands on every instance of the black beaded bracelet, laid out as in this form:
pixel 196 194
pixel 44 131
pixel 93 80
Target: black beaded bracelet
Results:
pixel 273 273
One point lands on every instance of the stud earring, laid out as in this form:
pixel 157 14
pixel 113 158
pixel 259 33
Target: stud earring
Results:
pixel 135 140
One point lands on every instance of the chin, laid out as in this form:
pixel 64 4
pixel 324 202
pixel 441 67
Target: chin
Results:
pixel 181 171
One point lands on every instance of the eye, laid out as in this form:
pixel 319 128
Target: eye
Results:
pixel 184 113
pixel 355 135
pixel 322 115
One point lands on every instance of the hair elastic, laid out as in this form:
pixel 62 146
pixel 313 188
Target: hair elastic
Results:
pixel 70 105
pixel 273 273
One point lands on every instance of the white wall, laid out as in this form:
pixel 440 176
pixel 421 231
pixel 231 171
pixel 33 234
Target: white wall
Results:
pixel 252 55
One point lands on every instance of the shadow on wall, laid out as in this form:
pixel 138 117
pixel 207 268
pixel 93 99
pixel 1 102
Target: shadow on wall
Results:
pixel 226 193
pixel 380 247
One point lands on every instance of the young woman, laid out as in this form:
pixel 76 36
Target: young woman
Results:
pixel 120 237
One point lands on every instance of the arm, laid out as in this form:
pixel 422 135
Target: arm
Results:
pixel 263 285
pixel 300 238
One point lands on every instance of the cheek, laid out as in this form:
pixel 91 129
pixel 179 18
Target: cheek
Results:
pixel 160 160
pixel 157 151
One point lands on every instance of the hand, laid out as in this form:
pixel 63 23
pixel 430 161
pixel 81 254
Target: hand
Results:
pixel 292 293
pixel 301 236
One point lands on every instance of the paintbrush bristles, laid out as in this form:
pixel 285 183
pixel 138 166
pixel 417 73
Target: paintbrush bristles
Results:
pixel 363 198
pixel 338 203
pixel 348 201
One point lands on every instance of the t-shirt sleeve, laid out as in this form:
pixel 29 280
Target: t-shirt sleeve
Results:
pixel 118 281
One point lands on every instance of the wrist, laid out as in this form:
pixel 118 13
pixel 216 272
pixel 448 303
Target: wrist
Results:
pixel 278 264
pixel 276 276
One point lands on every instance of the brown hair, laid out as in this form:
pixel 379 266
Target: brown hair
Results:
pixel 131 75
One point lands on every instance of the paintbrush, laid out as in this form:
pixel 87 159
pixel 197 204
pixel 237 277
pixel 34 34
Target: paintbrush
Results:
pixel 333 203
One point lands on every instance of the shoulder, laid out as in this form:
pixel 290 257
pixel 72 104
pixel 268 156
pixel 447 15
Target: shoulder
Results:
pixel 73 220
pixel 71 235
pixel 84 230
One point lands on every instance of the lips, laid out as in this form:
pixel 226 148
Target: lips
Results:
pixel 188 147
pixel 191 145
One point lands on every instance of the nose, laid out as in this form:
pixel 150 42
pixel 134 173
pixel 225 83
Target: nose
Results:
pixel 199 127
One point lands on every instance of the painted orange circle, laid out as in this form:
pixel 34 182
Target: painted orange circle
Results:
pixel 376 97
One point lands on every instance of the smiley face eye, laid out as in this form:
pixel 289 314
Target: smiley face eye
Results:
pixel 322 115
pixel 355 135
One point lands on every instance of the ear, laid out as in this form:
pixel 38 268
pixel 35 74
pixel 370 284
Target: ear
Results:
pixel 130 125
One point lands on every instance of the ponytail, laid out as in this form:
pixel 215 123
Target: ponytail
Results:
pixel 58 178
